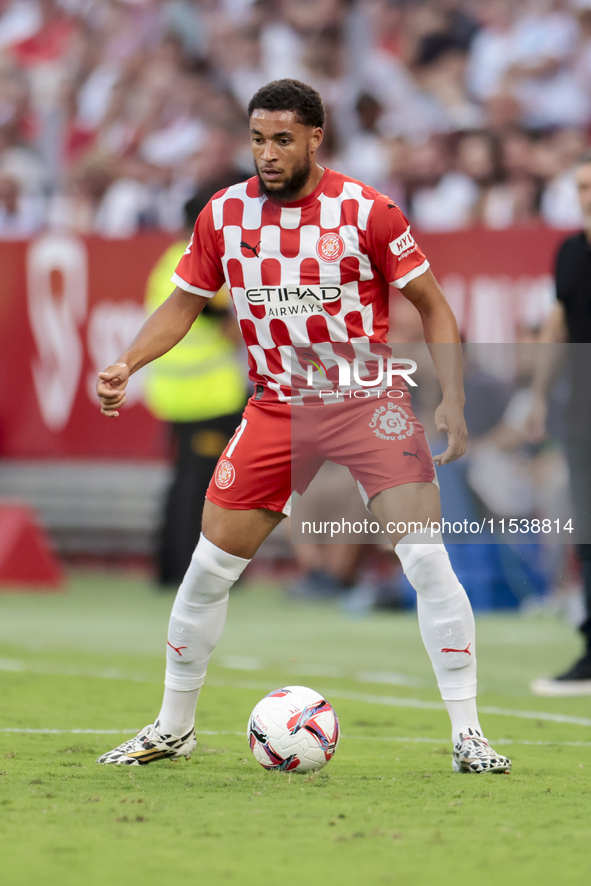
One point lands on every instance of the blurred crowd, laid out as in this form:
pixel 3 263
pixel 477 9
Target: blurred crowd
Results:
pixel 114 112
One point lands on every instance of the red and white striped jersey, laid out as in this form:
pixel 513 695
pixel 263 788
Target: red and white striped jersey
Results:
pixel 312 272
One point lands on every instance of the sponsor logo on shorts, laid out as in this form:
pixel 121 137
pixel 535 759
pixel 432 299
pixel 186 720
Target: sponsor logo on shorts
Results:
pixel 391 422
pixel 225 474
pixel 330 247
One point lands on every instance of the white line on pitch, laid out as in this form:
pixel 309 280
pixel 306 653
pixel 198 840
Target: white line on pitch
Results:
pixel 391 701
pixel 395 702
pixel 13 664
pixel 505 741
pixel 386 700
pixel 27 731
pixel 416 739
pixel 231 662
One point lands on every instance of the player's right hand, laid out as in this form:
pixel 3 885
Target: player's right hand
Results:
pixel 110 388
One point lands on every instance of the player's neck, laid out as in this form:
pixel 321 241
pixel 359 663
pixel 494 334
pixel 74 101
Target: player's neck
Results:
pixel 312 183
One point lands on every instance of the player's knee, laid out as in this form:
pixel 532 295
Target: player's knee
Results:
pixel 210 575
pixel 413 555
pixel 425 565
pixel 431 574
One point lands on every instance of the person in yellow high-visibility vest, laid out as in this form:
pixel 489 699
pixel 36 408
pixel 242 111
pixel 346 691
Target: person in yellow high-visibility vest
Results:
pixel 199 389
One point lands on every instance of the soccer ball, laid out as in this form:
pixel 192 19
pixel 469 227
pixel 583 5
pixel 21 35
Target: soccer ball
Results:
pixel 293 729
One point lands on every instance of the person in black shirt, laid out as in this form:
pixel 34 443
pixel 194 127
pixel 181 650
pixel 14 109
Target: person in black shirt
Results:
pixel 570 321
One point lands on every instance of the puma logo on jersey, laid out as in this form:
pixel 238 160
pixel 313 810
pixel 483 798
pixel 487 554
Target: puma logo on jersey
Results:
pixel 253 249
pixel 413 454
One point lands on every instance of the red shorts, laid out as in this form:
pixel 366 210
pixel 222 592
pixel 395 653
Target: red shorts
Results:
pixel 278 449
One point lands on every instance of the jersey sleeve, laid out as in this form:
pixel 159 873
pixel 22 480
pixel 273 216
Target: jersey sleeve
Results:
pixel 392 247
pixel 200 268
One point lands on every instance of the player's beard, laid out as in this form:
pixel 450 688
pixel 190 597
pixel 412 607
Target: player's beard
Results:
pixel 291 187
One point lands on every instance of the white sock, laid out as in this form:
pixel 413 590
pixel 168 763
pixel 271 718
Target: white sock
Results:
pixel 196 625
pixel 177 714
pixel 446 622
pixel 463 715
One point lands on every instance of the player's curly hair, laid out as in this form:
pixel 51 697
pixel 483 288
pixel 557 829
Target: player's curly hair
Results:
pixel 290 95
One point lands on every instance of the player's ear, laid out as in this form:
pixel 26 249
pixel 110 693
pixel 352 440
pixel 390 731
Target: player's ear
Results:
pixel 316 138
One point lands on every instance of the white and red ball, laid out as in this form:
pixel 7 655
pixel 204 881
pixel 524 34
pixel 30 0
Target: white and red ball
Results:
pixel 293 729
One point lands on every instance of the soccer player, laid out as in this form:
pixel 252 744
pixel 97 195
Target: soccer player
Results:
pixel 308 255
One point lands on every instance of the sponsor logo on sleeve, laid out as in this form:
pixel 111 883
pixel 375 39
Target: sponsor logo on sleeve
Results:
pixel 403 245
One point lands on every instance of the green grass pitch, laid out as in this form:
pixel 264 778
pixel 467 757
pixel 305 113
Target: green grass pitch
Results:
pixel 79 672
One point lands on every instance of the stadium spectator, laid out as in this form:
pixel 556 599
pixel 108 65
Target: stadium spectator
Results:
pixel 559 202
pixel 20 19
pixel 514 199
pixel 440 70
pixel 21 214
pixel 366 155
pixel 441 198
pixel 143 84
pixel 478 157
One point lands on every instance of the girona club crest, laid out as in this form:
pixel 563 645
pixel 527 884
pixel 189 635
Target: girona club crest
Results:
pixel 330 247
pixel 391 422
pixel 225 474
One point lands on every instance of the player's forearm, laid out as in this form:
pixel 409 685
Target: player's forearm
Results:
pixel 447 359
pixel 441 332
pixel 163 329
pixel 443 340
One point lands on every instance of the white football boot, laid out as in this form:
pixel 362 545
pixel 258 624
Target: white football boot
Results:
pixel 472 753
pixel 150 745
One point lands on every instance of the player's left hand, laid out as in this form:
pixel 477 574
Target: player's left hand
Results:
pixel 449 419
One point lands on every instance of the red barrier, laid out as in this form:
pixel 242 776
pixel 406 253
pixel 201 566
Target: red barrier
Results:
pixel 497 282
pixel 68 306
pixel 26 557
